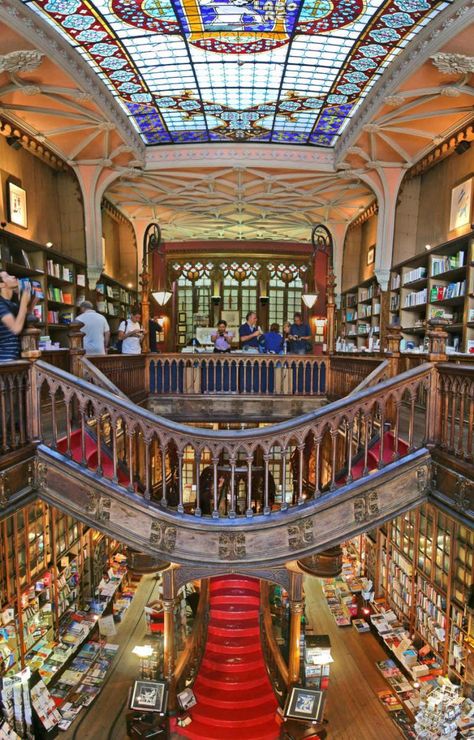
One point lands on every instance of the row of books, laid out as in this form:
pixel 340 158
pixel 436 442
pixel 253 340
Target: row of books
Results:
pixel 419 273
pixel 60 317
pixel 56 294
pixel 108 308
pixel 417 298
pixel 443 292
pixel 366 294
pixel 59 271
pixel 444 264
pixel 113 292
pixel 365 311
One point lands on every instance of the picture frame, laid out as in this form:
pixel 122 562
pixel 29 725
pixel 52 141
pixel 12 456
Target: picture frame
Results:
pixel 461 205
pixel 371 255
pixel 304 704
pixel 149 696
pixel 16 201
pixel 181 317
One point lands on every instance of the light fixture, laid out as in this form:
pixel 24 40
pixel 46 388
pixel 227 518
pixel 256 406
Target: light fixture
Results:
pixel 49 244
pixel 129 285
pixel 143 651
pixel 215 300
pixel 14 142
pixel 462 146
pixel 427 247
pixel 162 297
pixel 309 299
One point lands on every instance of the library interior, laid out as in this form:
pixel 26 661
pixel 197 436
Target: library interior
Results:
pixel 237 369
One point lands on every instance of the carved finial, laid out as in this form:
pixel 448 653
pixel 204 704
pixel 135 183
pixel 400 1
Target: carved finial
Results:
pixel 453 63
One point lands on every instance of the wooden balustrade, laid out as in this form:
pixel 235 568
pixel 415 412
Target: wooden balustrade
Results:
pixel 455 413
pixel 126 372
pixel 347 372
pixel 233 473
pixel 244 374
pixel 276 666
pixel 15 429
pixel 187 665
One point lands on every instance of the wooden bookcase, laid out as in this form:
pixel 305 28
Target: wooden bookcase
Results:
pixel 114 301
pixel 436 284
pixel 361 311
pixel 425 573
pixel 58 280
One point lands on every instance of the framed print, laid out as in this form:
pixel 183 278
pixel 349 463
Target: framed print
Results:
pixel 304 704
pixel 149 696
pixel 182 317
pixel 371 255
pixel 17 205
pixel 232 317
pixel 461 200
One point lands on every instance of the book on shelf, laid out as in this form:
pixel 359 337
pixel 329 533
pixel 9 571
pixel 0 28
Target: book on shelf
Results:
pixel 419 273
pixel 445 264
pixel 444 292
pixel 416 298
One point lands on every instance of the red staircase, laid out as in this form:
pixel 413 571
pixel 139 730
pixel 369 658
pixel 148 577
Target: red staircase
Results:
pixel 235 699
pixel 91 455
pixel 373 456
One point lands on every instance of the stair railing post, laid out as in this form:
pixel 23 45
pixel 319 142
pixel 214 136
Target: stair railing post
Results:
pixel 30 351
pixel 76 348
pixel 169 646
pixel 294 657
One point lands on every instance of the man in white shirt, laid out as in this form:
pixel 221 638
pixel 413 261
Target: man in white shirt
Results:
pixel 95 329
pixel 131 333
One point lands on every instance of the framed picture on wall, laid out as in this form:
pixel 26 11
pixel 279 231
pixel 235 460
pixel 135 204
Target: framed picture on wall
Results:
pixel 371 255
pixel 305 704
pixel 182 317
pixel 16 200
pixel 461 202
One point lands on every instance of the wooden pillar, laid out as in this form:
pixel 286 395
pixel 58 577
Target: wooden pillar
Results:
pixel 145 283
pixel 437 340
pixel 294 657
pixel 393 338
pixel 76 347
pixel 331 311
pixel 169 647
pixel 29 351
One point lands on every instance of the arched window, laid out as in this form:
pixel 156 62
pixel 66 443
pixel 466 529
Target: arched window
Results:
pixel 240 288
pixel 194 300
pixel 284 291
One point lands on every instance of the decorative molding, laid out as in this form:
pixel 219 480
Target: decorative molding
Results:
pixel 423 478
pixel 449 64
pixel 31 26
pixel 232 546
pixel 163 536
pixel 21 61
pixel 34 144
pixel 4 489
pixel 461 500
pixel 40 475
pixel 371 210
pixel 98 507
pixel 300 534
pixel 250 155
pixel 444 147
pixel 366 507
pixel 436 34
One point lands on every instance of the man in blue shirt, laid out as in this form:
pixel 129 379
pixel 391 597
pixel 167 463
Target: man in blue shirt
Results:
pixel 273 340
pixel 300 336
pixel 250 332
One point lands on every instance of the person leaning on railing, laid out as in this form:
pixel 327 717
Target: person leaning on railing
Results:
pixel 13 315
pixel 249 332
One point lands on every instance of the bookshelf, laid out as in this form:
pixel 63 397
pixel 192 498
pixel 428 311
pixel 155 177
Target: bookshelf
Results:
pixel 58 281
pixel 437 284
pixel 114 301
pixel 361 312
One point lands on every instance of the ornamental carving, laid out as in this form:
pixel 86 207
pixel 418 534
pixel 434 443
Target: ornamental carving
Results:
pixel 41 473
pixel 232 546
pixel 366 506
pixel 300 534
pixel 463 495
pixel 98 507
pixel 21 61
pixel 163 536
pixel 423 478
pixel 394 100
pixel 453 63
pixel 4 489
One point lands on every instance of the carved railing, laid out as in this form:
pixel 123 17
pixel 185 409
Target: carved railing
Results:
pixel 233 473
pixel 126 372
pixel 242 374
pixel 15 430
pixel 455 429
pixel 94 375
pixel 274 661
pixel 187 665
pixel 348 372
pixel 377 375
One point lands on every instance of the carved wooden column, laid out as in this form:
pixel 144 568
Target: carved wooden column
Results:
pixel 393 338
pixel 76 347
pixel 29 351
pixel 437 338
pixel 145 283
pixel 169 647
pixel 331 311
pixel 294 657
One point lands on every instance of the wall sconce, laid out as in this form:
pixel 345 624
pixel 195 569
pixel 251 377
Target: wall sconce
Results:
pixel 264 300
pixel 215 300
pixel 309 299
pixel 162 297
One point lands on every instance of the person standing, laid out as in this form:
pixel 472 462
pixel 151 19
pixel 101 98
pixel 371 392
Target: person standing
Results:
pixel 12 316
pixel 250 332
pixel 300 336
pixel 131 334
pixel 154 328
pixel 95 329
pixel 273 340
pixel 221 339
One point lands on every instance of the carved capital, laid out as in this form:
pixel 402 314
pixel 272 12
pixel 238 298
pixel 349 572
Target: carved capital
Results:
pixel 21 61
pixel 232 546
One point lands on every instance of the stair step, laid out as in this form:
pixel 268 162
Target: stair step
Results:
pixel 203 731
pixel 233 663
pixel 235 717
pixel 220 598
pixel 223 680
pixel 225 629
pixel 232 644
pixel 235 611
pixel 230 699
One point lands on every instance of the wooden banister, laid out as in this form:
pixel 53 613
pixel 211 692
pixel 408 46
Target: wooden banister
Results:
pixel 276 666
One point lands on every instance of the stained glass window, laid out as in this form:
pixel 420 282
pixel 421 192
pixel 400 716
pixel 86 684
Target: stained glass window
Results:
pixel 282 71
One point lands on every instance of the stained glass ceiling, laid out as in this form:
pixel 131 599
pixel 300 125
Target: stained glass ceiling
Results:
pixel 280 71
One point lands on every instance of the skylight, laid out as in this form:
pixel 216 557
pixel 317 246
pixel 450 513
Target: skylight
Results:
pixel 280 71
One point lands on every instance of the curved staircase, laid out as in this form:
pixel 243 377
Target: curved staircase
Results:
pixel 235 699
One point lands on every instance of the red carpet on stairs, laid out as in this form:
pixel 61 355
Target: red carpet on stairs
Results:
pixel 91 455
pixel 235 699
pixel 373 456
